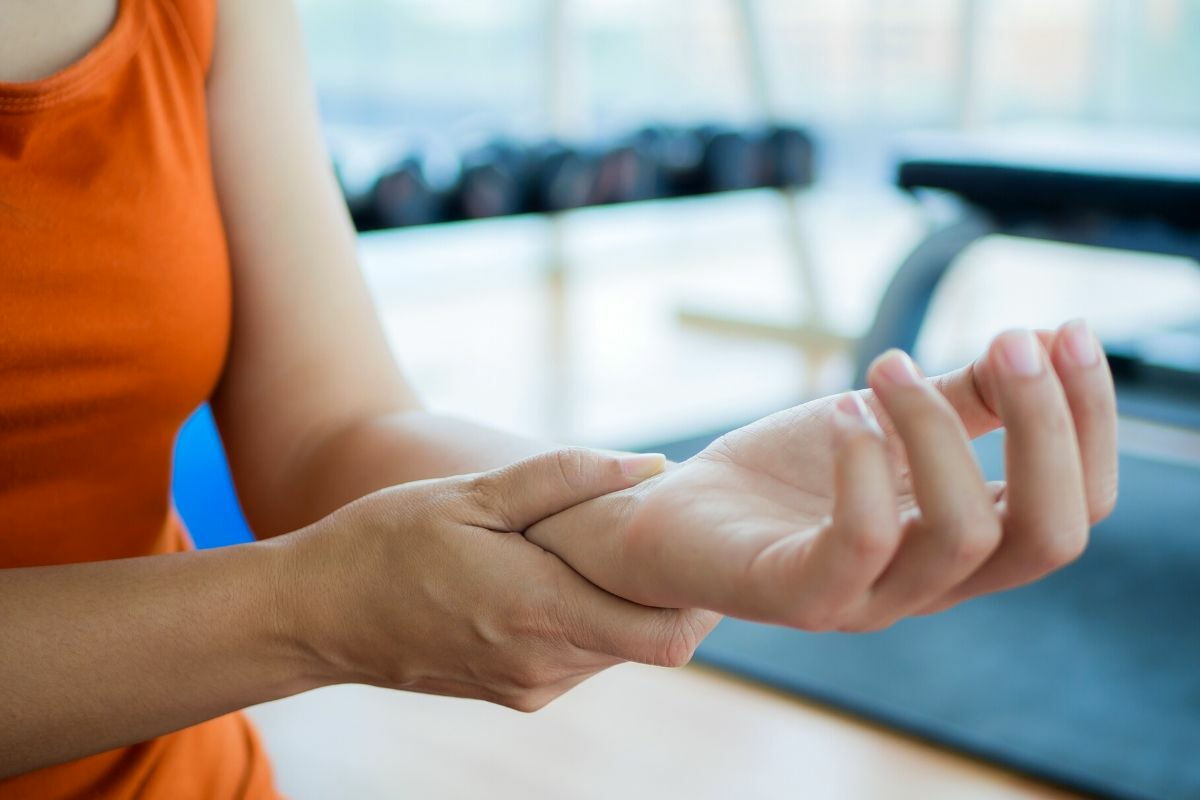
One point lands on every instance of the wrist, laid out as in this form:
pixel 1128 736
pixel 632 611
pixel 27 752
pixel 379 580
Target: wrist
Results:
pixel 297 612
pixel 593 537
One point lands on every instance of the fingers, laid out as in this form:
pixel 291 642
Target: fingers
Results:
pixel 849 555
pixel 1046 514
pixel 971 391
pixel 604 623
pixel 967 392
pixel 1082 369
pixel 959 527
pixel 515 497
pixel 1087 382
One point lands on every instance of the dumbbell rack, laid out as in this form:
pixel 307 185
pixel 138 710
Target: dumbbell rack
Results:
pixel 812 333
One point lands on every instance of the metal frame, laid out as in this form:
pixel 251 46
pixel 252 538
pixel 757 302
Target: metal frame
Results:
pixel 905 303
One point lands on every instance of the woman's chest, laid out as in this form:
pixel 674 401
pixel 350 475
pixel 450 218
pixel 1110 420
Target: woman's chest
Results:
pixel 114 284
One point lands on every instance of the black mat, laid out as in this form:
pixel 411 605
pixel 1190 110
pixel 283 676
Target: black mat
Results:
pixel 1090 678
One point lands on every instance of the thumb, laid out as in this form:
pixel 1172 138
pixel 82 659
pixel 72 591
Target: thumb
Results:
pixel 972 391
pixel 528 491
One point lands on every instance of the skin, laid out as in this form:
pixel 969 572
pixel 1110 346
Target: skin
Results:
pixel 826 520
pixel 429 554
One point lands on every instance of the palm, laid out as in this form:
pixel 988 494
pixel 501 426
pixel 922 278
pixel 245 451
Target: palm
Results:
pixel 698 534
pixel 765 483
pixel 753 526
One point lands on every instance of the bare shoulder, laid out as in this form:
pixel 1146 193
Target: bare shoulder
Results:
pixel 41 37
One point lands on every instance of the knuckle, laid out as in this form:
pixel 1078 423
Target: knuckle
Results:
pixel 527 702
pixel 1097 403
pixel 676 644
pixel 969 553
pixel 1102 504
pixel 975 536
pixel 675 652
pixel 870 543
pixel 815 618
pixel 970 550
pixel 1057 551
pixel 927 413
pixel 571 463
pixel 860 444
pixel 485 490
pixel 528 677
pixel 983 537
pixel 1058 425
pixel 1043 417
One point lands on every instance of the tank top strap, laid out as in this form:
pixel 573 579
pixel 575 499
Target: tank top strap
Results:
pixel 196 20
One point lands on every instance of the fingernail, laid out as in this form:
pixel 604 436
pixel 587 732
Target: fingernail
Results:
pixel 642 466
pixel 1081 344
pixel 852 414
pixel 1022 352
pixel 896 367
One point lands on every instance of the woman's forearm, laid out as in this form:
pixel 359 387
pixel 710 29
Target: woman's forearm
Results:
pixel 99 655
pixel 372 454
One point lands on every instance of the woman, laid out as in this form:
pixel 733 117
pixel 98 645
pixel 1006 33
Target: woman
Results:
pixel 170 232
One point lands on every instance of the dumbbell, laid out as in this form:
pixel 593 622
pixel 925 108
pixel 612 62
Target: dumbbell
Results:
pixel 677 154
pixel 403 196
pixel 562 177
pixel 627 171
pixel 733 159
pixel 790 155
pixel 493 181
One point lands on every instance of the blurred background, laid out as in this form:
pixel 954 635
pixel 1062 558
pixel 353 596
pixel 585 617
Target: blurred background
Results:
pixel 632 224
pixel 434 83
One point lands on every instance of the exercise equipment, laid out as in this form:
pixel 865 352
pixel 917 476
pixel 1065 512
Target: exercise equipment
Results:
pixel 563 177
pixel 506 176
pixel 493 181
pixel 1158 374
pixel 733 160
pixel 678 155
pixel 626 172
pixel 1131 192
pixel 403 196
pixel 790 157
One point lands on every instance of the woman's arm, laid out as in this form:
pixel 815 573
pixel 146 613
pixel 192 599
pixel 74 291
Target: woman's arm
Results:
pixel 95 656
pixel 312 407
pixel 427 587
pixel 315 413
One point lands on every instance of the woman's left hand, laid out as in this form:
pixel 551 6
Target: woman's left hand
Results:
pixel 819 518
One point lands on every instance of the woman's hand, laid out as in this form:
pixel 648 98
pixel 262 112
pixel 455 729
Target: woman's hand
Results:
pixel 849 513
pixel 431 587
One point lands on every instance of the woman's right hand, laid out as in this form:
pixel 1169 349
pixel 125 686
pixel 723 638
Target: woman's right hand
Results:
pixel 431 587
pixel 852 512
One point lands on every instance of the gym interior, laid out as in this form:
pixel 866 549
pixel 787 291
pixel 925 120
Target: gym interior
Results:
pixel 638 225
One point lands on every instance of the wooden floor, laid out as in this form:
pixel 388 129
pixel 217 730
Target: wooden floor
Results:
pixel 469 314
pixel 632 732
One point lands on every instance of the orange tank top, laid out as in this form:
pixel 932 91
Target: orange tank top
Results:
pixel 114 321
